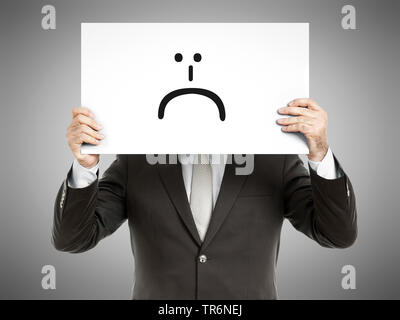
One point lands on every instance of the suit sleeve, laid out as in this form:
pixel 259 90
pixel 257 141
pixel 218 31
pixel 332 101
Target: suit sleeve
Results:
pixel 324 210
pixel 84 216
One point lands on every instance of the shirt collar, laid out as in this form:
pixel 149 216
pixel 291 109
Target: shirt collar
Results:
pixel 192 158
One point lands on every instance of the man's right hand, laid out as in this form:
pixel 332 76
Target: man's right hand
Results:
pixel 83 128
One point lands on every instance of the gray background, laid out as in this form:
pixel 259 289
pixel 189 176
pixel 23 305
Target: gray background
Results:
pixel 354 76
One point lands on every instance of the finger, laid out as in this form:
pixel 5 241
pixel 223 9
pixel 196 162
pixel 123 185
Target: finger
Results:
pixel 305 103
pixel 298 127
pixel 293 120
pixel 296 111
pixel 82 119
pixel 82 110
pixel 83 137
pixel 89 131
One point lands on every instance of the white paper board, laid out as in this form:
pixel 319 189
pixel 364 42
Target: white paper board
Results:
pixel 252 68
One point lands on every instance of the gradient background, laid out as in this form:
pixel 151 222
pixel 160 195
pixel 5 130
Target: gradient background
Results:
pixel 354 75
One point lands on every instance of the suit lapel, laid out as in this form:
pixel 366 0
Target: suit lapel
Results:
pixel 230 188
pixel 171 176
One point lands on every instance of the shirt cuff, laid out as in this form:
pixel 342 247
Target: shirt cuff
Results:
pixel 327 167
pixel 82 177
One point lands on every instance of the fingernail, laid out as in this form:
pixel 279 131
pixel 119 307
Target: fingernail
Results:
pixel 283 129
pixel 290 103
pixel 281 109
pixel 101 136
pixel 278 121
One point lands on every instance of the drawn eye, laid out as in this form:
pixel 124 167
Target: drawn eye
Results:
pixel 178 57
pixel 197 57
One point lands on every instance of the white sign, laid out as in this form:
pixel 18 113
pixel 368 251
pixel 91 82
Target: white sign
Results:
pixel 194 88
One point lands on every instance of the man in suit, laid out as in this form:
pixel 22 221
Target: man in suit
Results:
pixel 198 230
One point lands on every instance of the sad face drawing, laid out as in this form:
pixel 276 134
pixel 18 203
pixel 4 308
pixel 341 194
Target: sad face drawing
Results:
pixel 179 92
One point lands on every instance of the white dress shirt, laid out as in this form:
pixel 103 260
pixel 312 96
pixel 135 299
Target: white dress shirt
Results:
pixel 82 177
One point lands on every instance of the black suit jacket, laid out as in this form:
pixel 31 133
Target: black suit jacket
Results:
pixel 241 246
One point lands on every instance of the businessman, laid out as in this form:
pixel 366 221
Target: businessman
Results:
pixel 198 230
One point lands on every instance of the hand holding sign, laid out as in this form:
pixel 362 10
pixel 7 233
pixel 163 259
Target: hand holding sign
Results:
pixel 83 129
pixel 309 119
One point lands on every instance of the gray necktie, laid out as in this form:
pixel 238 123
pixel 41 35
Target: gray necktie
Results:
pixel 201 195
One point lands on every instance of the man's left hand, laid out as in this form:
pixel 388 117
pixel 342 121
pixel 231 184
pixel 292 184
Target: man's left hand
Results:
pixel 309 119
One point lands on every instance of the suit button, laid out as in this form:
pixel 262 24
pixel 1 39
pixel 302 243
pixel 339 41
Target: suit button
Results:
pixel 203 258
